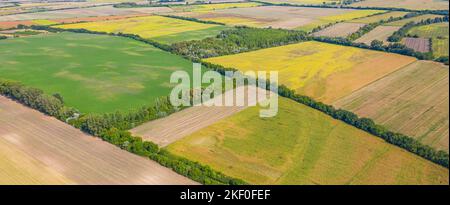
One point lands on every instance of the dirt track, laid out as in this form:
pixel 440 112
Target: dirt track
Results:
pixel 43 150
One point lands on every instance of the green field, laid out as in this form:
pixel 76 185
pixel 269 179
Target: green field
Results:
pixel 94 73
pixel 303 146
pixel 379 17
pixel 439 37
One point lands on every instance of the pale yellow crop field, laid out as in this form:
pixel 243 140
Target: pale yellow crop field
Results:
pixel 355 14
pixel 323 71
pixel 146 27
pixel 211 7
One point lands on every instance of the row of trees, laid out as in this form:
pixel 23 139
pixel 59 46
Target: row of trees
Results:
pixel 378 45
pixel 403 31
pixel 366 124
pixel 240 39
pixel 193 19
pixel 369 27
pixel 112 128
pixel 3 37
pixel 98 124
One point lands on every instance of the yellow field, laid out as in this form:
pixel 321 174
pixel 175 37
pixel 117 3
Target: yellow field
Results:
pixel 340 17
pixel 323 71
pixel 211 7
pixel 44 22
pixel 146 27
pixel 237 21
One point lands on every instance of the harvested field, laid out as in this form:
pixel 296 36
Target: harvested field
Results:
pixel 339 30
pixel 125 74
pixel 413 19
pixel 166 30
pixel 413 100
pixel 379 17
pixel 417 44
pixel 438 33
pixel 407 4
pixel 212 7
pixel 37 149
pixel 304 18
pixel 323 71
pixel 86 12
pixel 14 24
pixel 380 33
pixel 303 146
pixel 178 125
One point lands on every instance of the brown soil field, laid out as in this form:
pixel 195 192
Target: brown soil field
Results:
pixel 380 33
pixel 339 30
pixel 85 12
pixel 417 44
pixel 38 149
pixel 413 101
pixel 13 24
pixel 167 130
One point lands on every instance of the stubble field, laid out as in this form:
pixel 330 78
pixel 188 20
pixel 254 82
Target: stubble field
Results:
pixel 413 100
pixel 163 29
pixel 323 71
pixel 38 149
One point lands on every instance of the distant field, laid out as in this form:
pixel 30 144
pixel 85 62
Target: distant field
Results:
pixel 38 149
pixel 413 19
pixel 86 12
pixel 439 37
pixel 303 2
pixel 164 29
pixel 413 100
pixel 125 74
pixel 380 33
pixel 339 30
pixel 211 7
pixel 303 18
pixel 379 17
pixel 180 124
pixel 303 146
pixel 13 24
pixel 323 71
pixel 417 44
pixel 407 4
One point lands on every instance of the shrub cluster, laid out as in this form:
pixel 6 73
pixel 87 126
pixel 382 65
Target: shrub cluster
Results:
pixel 240 39
pixel 111 128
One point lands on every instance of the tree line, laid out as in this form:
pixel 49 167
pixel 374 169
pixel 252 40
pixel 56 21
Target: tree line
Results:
pixel 111 127
pixel 238 40
pixel 403 31
pixel 366 124
pixel 369 27
pixel 347 6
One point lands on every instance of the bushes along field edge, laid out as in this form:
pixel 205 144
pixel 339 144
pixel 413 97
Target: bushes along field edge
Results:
pixel 97 124
pixel 112 127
